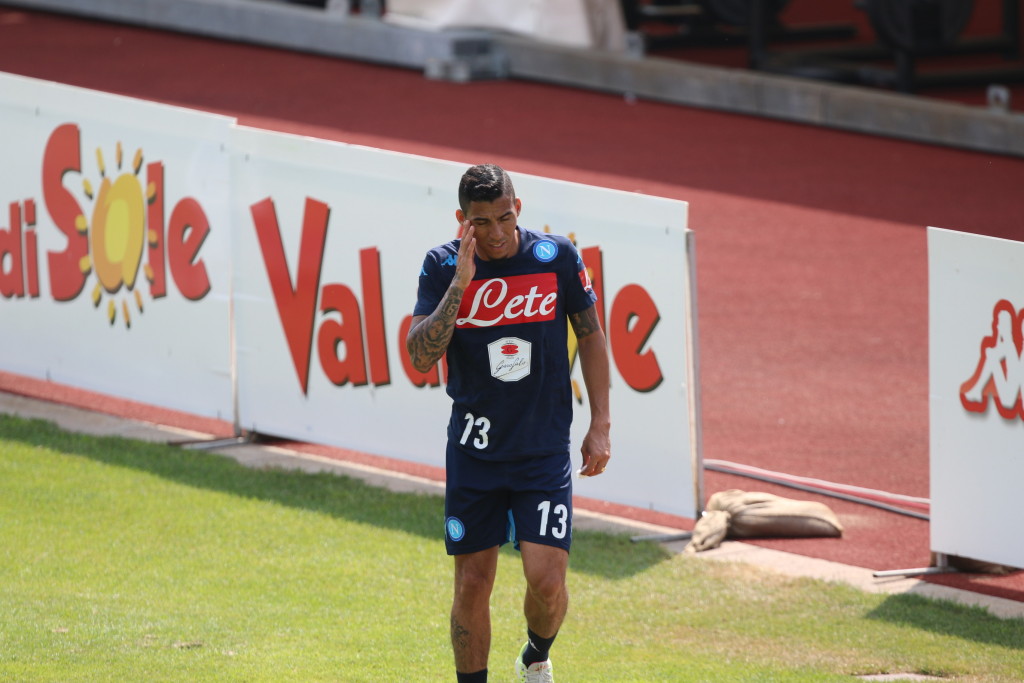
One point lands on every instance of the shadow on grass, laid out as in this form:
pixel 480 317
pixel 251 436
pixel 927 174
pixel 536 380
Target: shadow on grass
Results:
pixel 610 556
pixel 950 619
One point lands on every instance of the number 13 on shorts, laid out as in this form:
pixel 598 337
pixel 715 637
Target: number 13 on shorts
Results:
pixel 558 518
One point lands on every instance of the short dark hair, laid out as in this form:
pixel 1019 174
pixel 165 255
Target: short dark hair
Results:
pixel 484 183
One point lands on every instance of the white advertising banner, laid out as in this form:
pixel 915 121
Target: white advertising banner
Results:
pixel 976 377
pixel 171 257
pixel 329 243
pixel 115 246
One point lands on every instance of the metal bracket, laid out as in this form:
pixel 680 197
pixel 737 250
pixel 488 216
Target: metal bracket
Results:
pixel 663 538
pixel 471 59
pixel 211 444
pixel 942 566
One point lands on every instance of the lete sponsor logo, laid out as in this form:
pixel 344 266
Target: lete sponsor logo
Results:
pixel 504 301
pixel 999 374
pixel 123 234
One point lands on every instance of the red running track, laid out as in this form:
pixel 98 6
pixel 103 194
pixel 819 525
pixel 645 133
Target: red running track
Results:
pixel 811 254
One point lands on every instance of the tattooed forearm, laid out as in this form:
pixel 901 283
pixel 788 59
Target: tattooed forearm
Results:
pixel 429 335
pixel 585 322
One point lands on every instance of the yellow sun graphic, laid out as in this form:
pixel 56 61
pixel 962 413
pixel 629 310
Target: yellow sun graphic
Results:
pixel 117 235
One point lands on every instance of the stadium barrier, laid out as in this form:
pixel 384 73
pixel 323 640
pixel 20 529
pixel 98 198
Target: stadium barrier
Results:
pixel 172 257
pixel 976 377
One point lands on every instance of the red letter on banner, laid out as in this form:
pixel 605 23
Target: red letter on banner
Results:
pixel 185 236
pixel 593 260
pixel 12 281
pixel 373 306
pixel 337 298
pixel 633 318
pixel 30 257
pixel 67 268
pixel 155 224
pixel 296 305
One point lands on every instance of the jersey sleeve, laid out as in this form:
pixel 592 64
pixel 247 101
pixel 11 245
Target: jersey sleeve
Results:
pixel 579 291
pixel 434 281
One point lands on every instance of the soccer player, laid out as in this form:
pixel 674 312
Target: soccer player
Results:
pixel 498 301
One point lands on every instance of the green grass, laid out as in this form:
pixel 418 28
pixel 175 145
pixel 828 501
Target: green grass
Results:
pixel 127 561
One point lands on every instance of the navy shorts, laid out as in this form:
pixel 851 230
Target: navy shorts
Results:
pixel 490 503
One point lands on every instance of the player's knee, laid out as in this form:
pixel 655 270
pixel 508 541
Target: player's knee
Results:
pixel 547 587
pixel 473 583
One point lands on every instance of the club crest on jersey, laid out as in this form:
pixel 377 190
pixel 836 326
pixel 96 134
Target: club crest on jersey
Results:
pixel 510 358
pixel 545 251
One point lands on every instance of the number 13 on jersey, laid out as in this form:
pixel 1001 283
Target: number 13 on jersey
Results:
pixel 481 425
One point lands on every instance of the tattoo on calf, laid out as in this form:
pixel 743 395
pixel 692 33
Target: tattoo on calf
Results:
pixel 459 635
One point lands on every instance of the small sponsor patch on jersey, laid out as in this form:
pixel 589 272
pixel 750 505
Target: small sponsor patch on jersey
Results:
pixel 584 273
pixel 510 358
pixel 455 529
pixel 545 251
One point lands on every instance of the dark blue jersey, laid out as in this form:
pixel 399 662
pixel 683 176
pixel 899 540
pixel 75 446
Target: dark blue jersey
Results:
pixel 508 360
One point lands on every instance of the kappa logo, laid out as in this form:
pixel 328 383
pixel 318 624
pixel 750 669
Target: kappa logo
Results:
pixel 999 374
pixel 450 261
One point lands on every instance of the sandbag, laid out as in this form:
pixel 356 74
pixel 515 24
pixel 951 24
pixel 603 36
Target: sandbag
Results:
pixel 760 515
pixel 709 531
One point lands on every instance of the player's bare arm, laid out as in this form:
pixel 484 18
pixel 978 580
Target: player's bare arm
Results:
pixel 593 354
pixel 429 335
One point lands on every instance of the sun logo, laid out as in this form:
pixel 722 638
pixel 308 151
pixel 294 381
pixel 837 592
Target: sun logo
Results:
pixel 117 234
